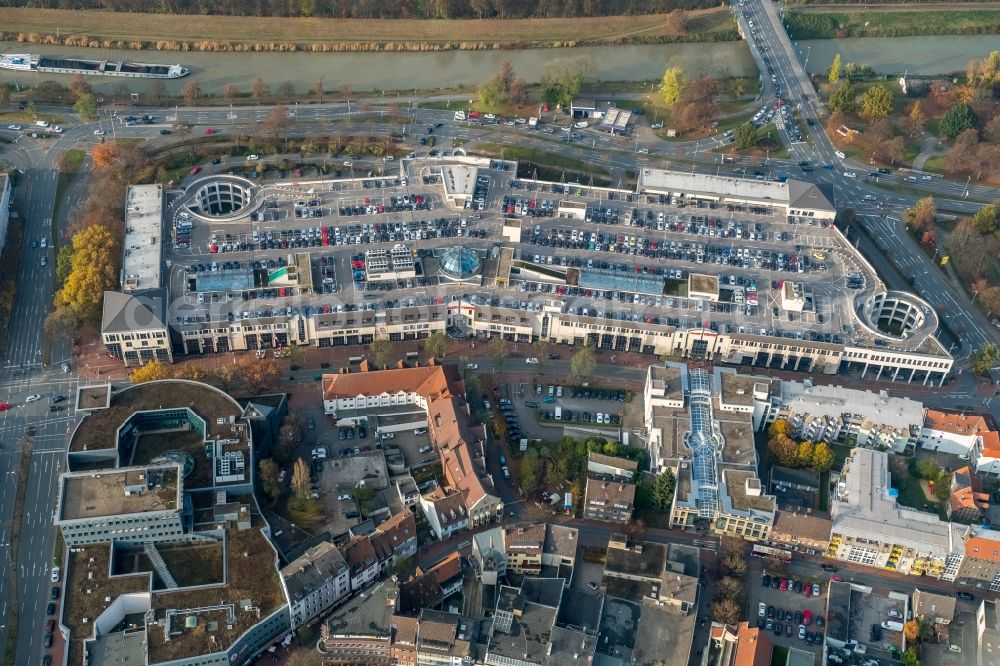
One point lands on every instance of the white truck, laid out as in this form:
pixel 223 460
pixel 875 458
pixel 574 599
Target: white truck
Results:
pixel 532 122
pixel 460 115
pixel 41 123
pixel 580 125
pixel 558 413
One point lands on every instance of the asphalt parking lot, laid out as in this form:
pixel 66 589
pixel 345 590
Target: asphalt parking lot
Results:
pixel 784 603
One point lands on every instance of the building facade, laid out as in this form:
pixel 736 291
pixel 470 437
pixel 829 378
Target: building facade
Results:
pixel 315 582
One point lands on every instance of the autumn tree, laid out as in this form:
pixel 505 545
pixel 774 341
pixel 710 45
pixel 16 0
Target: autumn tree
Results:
pixel 259 90
pixel 985 219
pixel 151 372
pixel 498 351
pixel 300 480
pixel 530 471
pixel 230 91
pixel 804 453
pixel 735 563
pixel 921 215
pixel 730 588
pixel 191 92
pixel 382 349
pixel 156 91
pixel 584 362
pixel 319 88
pixel 916 119
pixel 96 257
pixel 779 427
pixel 833 74
pixel 286 91
pixel 563 78
pixel 989 299
pixel 726 611
pixel 436 344
pixel 672 86
pixel 985 358
pixel 823 458
pixel 677 22
pixel 257 375
pixel 78 85
pixel 876 103
pixel 269 474
pixel 784 449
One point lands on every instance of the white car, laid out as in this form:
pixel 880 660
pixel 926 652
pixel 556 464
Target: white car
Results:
pixel 490 116
pixel 253 158
pixel 55 574
pixel 57 129
pixel 388 435
pixel 840 154
pixel 471 366
pixel 14 127
pixel 34 397
pixel 98 132
pixel 531 361
pixel 343 498
pixel 762 609
pixel 927 177
pixel 348 163
pixel 850 174
pixel 656 126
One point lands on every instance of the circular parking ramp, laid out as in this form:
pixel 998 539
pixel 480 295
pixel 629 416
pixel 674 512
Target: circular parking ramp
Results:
pixel 223 198
pixel 898 316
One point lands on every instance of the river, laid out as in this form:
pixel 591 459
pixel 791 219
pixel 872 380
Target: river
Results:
pixel 405 71
pixel 448 69
pixel 895 55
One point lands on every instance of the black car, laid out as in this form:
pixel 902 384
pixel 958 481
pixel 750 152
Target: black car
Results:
pixel 50 609
pixel 164 132
pixel 965 595
pixel 828 567
pixel 55 592
pixel 765 580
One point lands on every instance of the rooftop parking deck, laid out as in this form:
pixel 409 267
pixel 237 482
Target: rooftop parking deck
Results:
pixel 625 258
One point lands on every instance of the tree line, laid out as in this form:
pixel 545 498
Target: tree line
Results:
pixel 379 9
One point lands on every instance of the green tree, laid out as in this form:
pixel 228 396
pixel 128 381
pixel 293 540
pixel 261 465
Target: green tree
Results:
pixel 958 119
pixel 876 103
pixel 986 358
pixel 927 469
pixel 910 657
pixel 300 480
pixel 672 86
pixel 437 344
pixel 823 458
pixel 663 490
pixel 833 74
pixel 529 471
pixel 86 106
pixel 583 362
pixel 382 349
pixel 64 264
pixel 745 136
pixel 942 486
pixel 269 474
pixel 842 99
pixel 563 78
pixel 491 93
pixel 985 219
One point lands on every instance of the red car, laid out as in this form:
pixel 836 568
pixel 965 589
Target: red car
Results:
pixel 209 131
pixel 783 585
pixel 196 170
pixel 4 406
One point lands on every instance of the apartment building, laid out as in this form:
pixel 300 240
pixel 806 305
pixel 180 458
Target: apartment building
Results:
pixel 609 501
pixel 523 548
pixel 973 437
pixel 823 413
pixel 315 582
pixel 468 499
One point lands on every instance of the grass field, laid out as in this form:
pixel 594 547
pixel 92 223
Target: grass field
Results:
pixel 875 23
pixel 149 29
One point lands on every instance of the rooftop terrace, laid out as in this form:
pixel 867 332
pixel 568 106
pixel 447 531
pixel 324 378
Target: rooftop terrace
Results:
pixel 116 492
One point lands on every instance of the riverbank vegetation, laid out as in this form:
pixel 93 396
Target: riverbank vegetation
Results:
pixel 875 23
pixel 169 32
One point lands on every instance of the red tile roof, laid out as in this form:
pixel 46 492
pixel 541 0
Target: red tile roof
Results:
pixel 753 646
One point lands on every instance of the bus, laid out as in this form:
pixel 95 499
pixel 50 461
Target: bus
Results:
pixel 767 551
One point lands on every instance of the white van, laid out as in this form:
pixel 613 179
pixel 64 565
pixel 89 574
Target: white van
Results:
pixel 460 115
pixel 41 123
